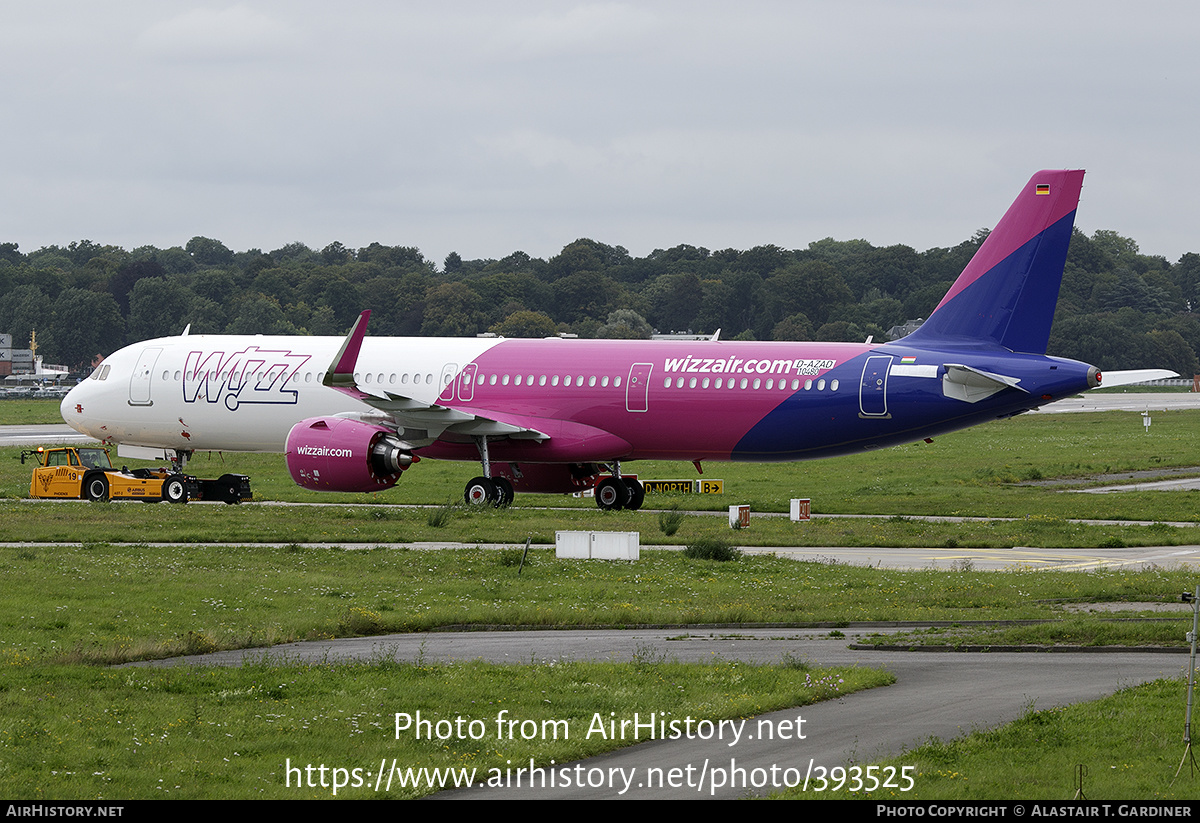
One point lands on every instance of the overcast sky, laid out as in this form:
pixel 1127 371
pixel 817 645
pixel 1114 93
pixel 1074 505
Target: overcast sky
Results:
pixel 490 127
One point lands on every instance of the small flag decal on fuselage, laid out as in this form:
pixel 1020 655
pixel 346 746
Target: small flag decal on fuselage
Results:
pixel 1043 188
pixel 904 361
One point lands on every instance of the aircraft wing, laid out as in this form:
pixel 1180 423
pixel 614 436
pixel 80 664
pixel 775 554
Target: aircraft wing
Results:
pixel 418 422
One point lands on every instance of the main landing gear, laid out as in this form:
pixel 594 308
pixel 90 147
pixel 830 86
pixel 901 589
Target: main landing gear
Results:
pixel 616 492
pixel 488 490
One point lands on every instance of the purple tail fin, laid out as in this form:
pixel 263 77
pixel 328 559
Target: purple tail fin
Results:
pixel 1007 293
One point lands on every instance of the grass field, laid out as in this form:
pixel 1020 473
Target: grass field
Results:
pixel 70 728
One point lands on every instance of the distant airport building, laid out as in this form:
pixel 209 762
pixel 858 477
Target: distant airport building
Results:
pixel 19 363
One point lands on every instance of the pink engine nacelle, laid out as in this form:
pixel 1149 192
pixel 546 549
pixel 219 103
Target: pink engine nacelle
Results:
pixel 337 454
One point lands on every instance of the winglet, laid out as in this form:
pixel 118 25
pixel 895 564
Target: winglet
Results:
pixel 1007 293
pixel 341 371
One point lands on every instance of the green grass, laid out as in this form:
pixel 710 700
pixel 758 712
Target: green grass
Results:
pixel 29 412
pixel 101 603
pixel 189 732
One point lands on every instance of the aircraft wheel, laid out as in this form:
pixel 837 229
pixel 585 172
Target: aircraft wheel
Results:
pixel 480 492
pixel 637 495
pixel 612 494
pixel 504 492
pixel 95 488
pixel 174 490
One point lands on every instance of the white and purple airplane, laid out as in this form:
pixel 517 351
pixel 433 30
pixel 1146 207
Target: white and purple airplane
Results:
pixel 558 415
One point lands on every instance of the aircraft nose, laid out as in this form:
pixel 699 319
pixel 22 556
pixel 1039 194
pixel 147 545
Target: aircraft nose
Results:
pixel 71 408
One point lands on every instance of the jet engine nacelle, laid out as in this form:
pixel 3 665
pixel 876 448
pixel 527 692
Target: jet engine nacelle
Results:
pixel 338 454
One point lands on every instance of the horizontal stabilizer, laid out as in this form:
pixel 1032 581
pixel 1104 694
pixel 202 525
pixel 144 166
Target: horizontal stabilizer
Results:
pixel 972 385
pixel 1130 376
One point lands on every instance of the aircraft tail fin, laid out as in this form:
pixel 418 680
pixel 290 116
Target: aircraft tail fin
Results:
pixel 1007 294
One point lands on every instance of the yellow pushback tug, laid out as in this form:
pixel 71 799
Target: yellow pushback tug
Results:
pixel 75 472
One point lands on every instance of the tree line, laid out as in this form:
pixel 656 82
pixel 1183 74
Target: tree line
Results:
pixel 1118 308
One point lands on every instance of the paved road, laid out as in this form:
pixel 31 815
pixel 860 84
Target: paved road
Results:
pixel 1125 401
pixel 40 435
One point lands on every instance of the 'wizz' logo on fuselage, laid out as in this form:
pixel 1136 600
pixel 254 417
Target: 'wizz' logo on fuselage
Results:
pixel 248 376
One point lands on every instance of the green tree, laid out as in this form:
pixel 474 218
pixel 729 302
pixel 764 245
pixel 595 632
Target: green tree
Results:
pixel 451 310
pixel 584 295
pixel 795 327
pixel 256 313
pixel 10 255
pixel 208 252
pixel 675 301
pixel 625 324
pixel 158 308
pixel 83 324
pixel 526 323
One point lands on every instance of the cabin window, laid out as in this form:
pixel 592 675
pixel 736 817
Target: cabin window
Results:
pixel 821 384
pixel 833 386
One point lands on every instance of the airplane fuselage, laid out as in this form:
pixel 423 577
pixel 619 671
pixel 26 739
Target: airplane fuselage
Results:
pixel 597 399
